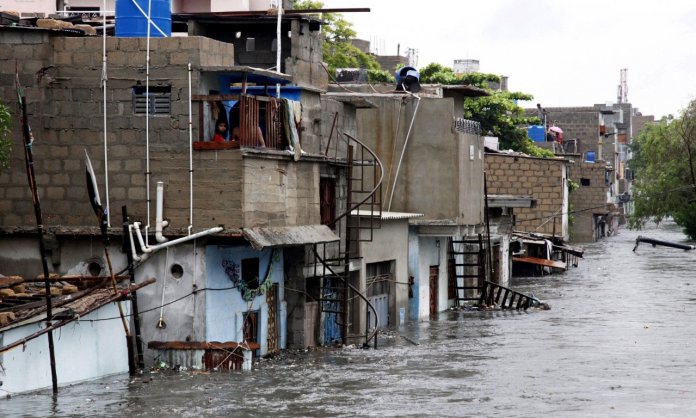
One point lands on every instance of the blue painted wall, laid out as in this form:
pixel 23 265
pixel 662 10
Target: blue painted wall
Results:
pixel 225 309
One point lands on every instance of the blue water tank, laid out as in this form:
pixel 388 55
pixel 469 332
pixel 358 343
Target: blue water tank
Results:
pixel 590 157
pixel 537 133
pixel 131 18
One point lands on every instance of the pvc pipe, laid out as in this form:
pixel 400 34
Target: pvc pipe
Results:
pixel 159 222
pixel 278 43
pixel 147 116
pixel 398 166
pixel 190 126
pixel 153 248
pixel 106 155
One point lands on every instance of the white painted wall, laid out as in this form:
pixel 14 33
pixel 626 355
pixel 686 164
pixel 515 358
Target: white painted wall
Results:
pixel 29 6
pixel 390 242
pixel 84 350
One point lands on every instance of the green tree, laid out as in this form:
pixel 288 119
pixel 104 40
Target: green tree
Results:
pixel 499 114
pixel 338 50
pixel 664 163
pixel 5 140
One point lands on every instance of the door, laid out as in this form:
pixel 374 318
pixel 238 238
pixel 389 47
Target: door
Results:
pixel 434 282
pixel 310 323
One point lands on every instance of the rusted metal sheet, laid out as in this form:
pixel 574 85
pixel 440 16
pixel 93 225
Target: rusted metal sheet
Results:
pixel 272 303
pixel 261 238
pixel 541 262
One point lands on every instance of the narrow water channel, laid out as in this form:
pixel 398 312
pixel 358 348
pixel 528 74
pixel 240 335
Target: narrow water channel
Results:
pixel 618 341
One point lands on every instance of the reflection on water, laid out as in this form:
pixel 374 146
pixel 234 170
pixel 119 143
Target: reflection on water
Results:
pixel 617 342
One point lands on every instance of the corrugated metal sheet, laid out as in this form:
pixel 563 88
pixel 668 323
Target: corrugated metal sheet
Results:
pixel 261 238
pixel 387 215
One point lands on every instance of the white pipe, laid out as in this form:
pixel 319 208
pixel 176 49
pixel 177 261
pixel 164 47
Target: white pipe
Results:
pixel 136 257
pixel 153 248
pixel 159 209
pixel 398 166
pixel 190 126
pixel 278 44
pixel 106 152
pixel 147 117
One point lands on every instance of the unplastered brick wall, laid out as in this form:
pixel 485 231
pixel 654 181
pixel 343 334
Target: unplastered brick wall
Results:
pixel 588 199
pixel 62 78
pixel 541 178
pixel 581 123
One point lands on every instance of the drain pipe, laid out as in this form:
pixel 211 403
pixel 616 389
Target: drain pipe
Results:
pixel 278 46
pixel 190 126
pixel 148 174
pixel 403 151
pixel 106 152
pixel 160 224
pixel 153 248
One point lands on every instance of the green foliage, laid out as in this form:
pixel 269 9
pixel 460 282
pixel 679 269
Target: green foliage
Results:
pixel 434 73
pixel 499 114
pixel 5 140
pixel 338 51
pixel 380 76
pixel 664 163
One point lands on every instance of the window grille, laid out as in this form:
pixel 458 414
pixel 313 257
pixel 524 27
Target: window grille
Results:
pixel 160 100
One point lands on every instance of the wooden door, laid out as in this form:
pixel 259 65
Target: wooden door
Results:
pixel 434 282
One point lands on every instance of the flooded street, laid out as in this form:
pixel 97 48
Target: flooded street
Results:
pixel 617 342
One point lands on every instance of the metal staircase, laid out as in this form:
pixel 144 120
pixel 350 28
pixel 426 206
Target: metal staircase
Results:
pixel 355 223
pixel 468 257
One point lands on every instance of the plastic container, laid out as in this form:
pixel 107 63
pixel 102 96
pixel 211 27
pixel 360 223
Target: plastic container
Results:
pixel 131 18
pixel 537 133
pixel 590 157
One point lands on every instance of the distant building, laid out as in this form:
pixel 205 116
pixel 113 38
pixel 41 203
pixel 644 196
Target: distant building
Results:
pixel 463 66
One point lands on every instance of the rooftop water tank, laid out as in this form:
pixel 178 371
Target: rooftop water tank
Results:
pixel 537 133
pixel 131 18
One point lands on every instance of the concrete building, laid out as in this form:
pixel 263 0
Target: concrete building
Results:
pixel 430 168
pixel 272 194
pixel 591 209
pixel 544 179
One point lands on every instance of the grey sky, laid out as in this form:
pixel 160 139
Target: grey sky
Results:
pixel 565 53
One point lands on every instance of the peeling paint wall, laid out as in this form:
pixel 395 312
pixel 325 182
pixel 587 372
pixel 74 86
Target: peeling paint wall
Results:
pixel 225 309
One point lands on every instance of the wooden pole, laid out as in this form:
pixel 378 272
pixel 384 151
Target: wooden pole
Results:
pixel 29 161
pixel 134 299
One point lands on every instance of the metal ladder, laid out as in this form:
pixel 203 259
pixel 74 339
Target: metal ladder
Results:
pixel 469 269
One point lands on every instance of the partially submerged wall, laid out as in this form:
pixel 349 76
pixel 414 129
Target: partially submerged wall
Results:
pixel 588 200
pixel 541 178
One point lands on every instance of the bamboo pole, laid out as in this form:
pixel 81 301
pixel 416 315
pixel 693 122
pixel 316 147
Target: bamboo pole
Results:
pixel 29 162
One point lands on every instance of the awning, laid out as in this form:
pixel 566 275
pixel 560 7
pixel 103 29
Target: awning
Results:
pixel 287 236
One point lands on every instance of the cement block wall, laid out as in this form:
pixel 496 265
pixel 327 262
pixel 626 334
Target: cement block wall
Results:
pixel 62 85
pixel 587 200
pixel 543 179
pixel 436 177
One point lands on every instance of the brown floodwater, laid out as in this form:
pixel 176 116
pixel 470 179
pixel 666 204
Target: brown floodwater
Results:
pixel 616 342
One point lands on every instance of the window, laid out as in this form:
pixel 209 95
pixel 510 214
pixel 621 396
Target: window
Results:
pixel 159 102
pixel 378 278
pixel 250 273
pixel 250 44
pixel 584 182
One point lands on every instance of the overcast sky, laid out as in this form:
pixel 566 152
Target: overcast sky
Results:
pixel 565 53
